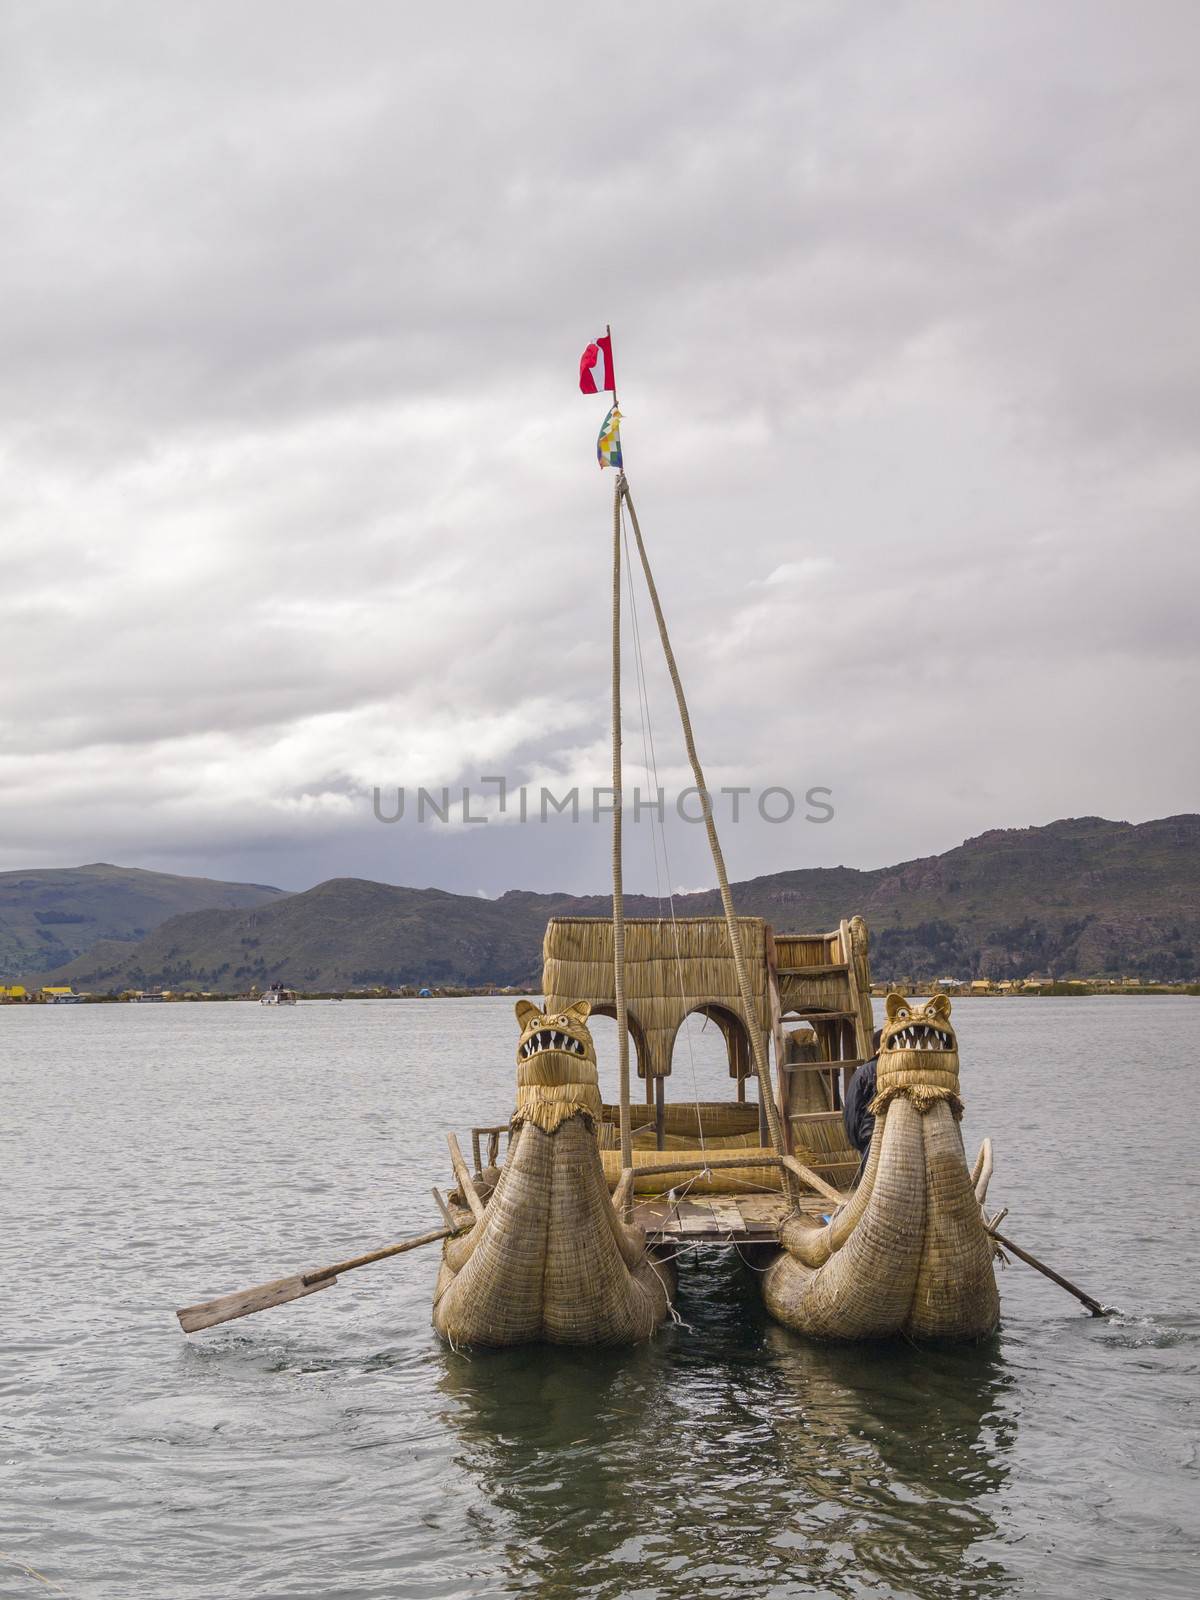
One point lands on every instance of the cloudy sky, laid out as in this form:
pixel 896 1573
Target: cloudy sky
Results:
pixel 298 493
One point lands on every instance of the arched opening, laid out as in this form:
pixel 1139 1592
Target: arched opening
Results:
pixel 603 1027
pixel 711 1055
pixel 706 1096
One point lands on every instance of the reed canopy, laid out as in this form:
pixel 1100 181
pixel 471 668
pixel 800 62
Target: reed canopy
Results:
pixel 672 968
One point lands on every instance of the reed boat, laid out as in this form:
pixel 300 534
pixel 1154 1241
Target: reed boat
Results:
pixel 278 995
pixel 572 1237
pixel 568 1226
pixel 561 1241
pixel 569 1223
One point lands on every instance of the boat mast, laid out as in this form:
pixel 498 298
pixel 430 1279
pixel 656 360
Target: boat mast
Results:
pixel 618 899
pixel 766 1094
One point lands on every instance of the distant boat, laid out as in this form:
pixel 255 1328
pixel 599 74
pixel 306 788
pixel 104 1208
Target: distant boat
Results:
pixel 148 999
pixel 61 997
pixel 277 995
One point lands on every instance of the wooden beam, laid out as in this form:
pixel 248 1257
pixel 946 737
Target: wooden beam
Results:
pixel 686 1162
pixel 814 1180
pixel 443 1208
pixel 470 1193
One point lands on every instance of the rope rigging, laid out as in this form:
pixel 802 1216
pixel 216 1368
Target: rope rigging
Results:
pixel 621 497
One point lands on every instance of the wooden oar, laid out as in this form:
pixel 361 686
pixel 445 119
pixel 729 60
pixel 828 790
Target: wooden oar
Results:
pixel 1093 1306
pixel 278 1292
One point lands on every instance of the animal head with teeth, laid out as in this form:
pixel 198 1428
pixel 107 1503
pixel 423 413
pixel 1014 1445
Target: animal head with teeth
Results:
pixel 564 1032
pixel 920 1030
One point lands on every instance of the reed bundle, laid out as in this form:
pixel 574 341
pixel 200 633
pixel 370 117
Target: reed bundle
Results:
pixel 820 1141
pixel 551 1260
pixel 806 949
pixel 716 1179
pixel 548 1258
pixel 909 1253
pixel 698 1119
pixel 646 1138
pixel 823 991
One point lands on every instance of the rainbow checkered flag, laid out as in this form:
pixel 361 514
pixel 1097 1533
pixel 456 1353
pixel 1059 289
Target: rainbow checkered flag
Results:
pixel 608 445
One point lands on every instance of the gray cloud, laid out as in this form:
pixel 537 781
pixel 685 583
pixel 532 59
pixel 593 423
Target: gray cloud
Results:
pixel 298 493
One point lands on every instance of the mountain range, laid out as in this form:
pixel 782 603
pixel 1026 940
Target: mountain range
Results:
pixel 1079 897
pixel 51 915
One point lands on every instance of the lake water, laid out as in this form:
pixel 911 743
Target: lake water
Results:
pixel 152 1156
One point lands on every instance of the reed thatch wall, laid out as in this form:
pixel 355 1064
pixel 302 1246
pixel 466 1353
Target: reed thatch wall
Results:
pixel 671 969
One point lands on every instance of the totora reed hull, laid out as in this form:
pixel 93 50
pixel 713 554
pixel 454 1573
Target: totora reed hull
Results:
pixel 908 1254
pixel 550 1259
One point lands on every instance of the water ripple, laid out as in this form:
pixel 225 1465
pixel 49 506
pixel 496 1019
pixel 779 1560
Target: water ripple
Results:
pixel 153 1155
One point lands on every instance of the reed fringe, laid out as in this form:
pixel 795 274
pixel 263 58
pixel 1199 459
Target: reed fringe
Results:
pixel 924 1096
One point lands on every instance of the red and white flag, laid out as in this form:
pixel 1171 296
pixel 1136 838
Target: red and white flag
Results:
pixel 596 367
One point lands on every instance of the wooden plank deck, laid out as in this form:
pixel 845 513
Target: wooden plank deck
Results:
pixel 721 1219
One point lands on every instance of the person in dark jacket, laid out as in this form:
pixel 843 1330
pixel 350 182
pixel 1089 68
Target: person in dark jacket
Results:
pixel 856 1112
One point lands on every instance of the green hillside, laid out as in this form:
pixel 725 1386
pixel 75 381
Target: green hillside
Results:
pixel 50 916
pixel 1080 897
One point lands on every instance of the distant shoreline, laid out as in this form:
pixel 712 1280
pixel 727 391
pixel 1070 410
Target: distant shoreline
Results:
pixel 1058 991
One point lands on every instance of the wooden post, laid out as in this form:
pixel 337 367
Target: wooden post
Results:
pixel 443 1208
pixel 470 1193
pixel 762 1066
pixel 660 1142
pixel 777 1038
pixel 618 898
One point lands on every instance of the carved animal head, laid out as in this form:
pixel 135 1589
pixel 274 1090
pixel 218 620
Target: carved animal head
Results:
pixel 921 1031
pixel 562 1032
pixel 918 1056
